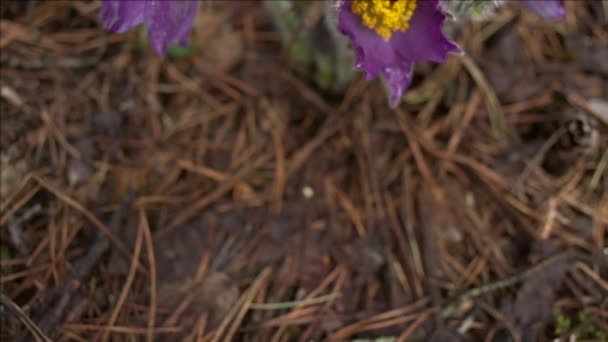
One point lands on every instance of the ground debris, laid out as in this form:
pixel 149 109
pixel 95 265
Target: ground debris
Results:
pixel 269 210
pixel 532 308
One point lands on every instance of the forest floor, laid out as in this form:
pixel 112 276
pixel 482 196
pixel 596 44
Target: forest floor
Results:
pixel 218 196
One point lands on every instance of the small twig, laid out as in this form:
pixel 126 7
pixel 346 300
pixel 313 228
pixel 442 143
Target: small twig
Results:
pixel 223 188
pixel 237 313
pixel 497 117
pixel 427 207
pixel 293 304
pixel 539 157
pixel 61 296
pixel 349 207
pixel 153 286
pixel 127 285
pixel 15 232
pixel 31 326
pixel 256 285
pixel 120 329
pixel 410 330
pixel 503 283
pixel 600 170
pixel 501 318
pixel 92 218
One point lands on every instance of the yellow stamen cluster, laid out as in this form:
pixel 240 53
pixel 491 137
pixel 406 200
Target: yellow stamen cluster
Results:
pixel 385 16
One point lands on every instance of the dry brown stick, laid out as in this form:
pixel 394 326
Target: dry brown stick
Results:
pixel 348 206
pixel 81 270
pixel 399 313
pixel 20 203
pixel 301 156
pixel 318 317
pixel 277 132
pixel 31 326
pixel 98 224
pixel 539 157
pixel 253 291
pixel 152 263
pixel 509 281
pixel 220 191
pixel 119 329
pixel 187 300
pixel 338 273
pixel 427 207
pixel 180 309
pixel 500 317
pixel 61 139
pixel 329 128
pixel 491 178
pixel 201 325
pixel 407 214
pixel 410 330
pixel 224 77
pixel 593 275
pixel 16 233
pixel 398 229
pixel 308 94
pixel 353 329
pixel 127 285
pixel 13 196
pixel 236 315
pixel 24 273
pixel 469 113
pixel 286 319
pixel 294 303
pixel 498 121
pixel 433 195
pixel 415 145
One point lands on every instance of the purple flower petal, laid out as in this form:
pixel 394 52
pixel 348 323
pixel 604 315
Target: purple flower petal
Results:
pixel 169 21
pixel 373 53
pixel 550 9
pixel 398 80
pixel 120 16
pixel 394 59
pixel 424 40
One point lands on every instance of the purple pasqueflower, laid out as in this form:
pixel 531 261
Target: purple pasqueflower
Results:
pixel 551 9
pixel 389 36
pixel 168 21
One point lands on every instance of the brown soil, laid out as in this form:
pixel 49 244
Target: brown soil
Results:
pixel 219 197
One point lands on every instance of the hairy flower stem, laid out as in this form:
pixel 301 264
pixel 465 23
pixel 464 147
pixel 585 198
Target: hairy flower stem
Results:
pixel 464 10
pixel 313 44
